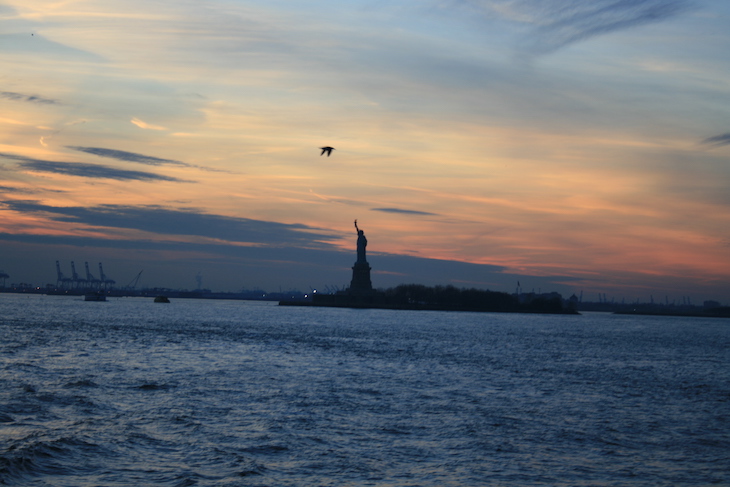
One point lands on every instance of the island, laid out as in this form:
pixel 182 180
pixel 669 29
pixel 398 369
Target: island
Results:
pixel 361 294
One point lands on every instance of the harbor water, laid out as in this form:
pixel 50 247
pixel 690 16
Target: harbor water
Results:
pixel 129 392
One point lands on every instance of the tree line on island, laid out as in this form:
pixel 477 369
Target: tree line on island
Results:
pixel 417 296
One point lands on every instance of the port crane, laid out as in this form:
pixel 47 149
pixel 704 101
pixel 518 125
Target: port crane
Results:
pixel 90 279
pixel 104 280
pixel 62 280
pixel 75 276
pixel 133 283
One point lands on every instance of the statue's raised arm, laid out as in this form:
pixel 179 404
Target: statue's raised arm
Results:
pixel 357 230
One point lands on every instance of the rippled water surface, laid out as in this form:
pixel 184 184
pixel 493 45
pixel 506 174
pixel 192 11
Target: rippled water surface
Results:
pixel 236 393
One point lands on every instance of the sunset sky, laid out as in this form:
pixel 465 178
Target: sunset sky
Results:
pixel 571 145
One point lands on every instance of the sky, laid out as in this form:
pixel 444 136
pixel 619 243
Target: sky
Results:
pixel 569 145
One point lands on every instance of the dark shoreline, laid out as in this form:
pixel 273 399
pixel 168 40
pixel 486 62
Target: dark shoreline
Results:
pixel 723 312
pixel 420 307
pixel 154 292
pixel 439 298
pixel 300 299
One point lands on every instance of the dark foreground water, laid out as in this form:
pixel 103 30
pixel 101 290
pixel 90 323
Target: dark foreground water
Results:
pixel 236 393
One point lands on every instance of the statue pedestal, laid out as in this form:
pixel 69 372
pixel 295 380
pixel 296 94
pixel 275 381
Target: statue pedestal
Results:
pixel 360 284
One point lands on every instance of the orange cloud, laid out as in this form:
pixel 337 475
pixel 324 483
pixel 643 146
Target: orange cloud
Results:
pixel 144 125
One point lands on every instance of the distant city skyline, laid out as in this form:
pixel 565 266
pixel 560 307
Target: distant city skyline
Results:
pixel 500 284
pixel 572 146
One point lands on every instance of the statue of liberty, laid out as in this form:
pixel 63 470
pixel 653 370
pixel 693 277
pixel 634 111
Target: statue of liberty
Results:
pixel 361 284
pixel 362 242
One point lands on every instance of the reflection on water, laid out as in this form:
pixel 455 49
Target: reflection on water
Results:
pixel 129 392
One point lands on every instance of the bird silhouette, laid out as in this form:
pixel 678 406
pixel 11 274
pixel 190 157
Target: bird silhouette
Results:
pixel 328 150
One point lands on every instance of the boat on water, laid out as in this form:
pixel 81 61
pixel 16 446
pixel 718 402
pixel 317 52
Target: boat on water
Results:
pixel 94 297
pixel 162 299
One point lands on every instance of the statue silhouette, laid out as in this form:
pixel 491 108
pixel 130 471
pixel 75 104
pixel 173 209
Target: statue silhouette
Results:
pixel 362 242
pixel 361 284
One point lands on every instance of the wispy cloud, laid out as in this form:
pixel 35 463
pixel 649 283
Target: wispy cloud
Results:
pixel 128 156
pixel 717 140
pixel 44 140
pixel 575 20
pixel 121 155
pixel 95 171
pixel 147 126
pixel 558 23
pixel 11 189
pixel 9 95
pixel 86 170
pixel 36 45
pixel 407 212
pixel 170 221
pixel 28 190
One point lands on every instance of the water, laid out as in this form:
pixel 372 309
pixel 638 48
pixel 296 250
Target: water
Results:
pixel 235 393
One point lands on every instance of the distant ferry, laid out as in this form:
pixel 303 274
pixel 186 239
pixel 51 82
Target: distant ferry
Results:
pixel 94 297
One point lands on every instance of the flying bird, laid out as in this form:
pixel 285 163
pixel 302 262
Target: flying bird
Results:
pixel 328 150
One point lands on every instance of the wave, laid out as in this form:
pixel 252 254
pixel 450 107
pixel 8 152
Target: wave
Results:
pixel 28 458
